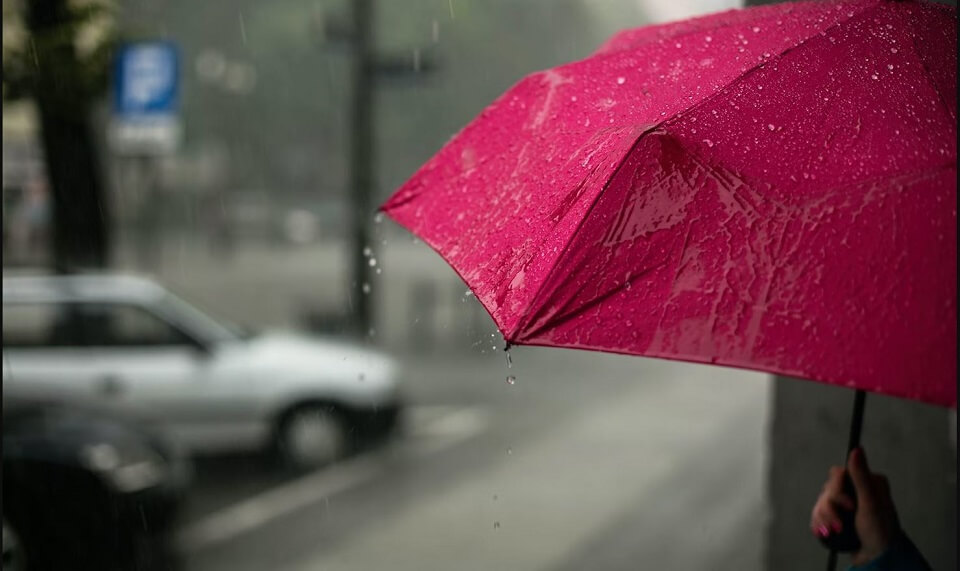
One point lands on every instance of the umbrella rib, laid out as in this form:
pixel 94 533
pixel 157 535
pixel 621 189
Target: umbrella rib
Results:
pixel 560 319
pixel 536 299
pixel 740 78
pixel 933 84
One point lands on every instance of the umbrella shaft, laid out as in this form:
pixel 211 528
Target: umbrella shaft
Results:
pixel 856 424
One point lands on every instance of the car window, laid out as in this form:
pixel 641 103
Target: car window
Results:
pixel 118 325
pixel 38 325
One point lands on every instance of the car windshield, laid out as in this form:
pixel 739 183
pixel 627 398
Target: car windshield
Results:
pixel 201 322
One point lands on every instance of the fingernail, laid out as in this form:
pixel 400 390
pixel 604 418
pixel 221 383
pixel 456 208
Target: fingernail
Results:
pixel 837 527
pixel 823 531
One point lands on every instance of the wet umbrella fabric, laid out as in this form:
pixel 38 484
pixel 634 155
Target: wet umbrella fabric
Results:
pixel 771 188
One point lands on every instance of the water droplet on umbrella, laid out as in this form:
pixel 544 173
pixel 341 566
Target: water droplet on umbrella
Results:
pixel 890 66
pixel 708 142
pixel 893 50
pixel 874 76
pixel 621 80
pixel 709 39
pixel 771 127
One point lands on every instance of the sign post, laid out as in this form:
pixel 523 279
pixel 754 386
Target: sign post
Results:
pixel 145 125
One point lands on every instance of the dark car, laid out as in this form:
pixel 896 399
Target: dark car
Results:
pixel 86 491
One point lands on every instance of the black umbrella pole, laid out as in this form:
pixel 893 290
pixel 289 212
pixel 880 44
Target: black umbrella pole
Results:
pixel 856 425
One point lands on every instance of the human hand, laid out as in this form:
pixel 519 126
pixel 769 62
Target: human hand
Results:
pixel 875 517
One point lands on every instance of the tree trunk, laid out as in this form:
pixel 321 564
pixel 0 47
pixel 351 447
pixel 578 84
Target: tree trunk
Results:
pixel 80 237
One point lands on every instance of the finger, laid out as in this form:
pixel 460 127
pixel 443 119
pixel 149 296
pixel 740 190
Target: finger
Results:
pixel 825 515
pixel 819 526
pixel 834 484
pixel 860 474
pixel 881 485
pixel 844 501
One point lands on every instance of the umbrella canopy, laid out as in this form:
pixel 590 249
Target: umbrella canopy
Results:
pixel 771 188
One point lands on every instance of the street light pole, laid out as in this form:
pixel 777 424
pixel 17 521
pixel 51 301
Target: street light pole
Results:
pixel 361 163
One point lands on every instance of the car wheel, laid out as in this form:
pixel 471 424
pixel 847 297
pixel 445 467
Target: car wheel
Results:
pixel 311 436
pixel 14 554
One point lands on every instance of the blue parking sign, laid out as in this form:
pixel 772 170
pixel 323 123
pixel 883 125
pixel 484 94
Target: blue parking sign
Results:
pixel 146 79
pixel 146 99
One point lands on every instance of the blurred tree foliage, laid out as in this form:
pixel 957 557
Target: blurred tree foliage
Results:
pixel 57 53
pixel 69 41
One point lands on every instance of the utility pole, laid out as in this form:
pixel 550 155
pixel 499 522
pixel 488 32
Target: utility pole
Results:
pixel 361 164
pixel 367 66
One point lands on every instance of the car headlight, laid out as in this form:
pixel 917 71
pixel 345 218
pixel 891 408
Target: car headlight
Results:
pixel 130 467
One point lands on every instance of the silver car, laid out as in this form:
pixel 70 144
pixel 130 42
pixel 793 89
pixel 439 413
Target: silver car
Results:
pixel 127 343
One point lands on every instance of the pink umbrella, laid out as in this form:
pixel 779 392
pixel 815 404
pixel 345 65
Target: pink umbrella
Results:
pixel 772 189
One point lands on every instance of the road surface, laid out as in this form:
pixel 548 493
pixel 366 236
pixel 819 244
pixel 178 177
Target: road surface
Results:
pixel 588 461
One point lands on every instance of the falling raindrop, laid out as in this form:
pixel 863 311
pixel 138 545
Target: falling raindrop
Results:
pixel 373 262
pixel 496 525
pixel 378 218
pixel 511 380
pixel 509 359
pixel 366 288
pixel 362 377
